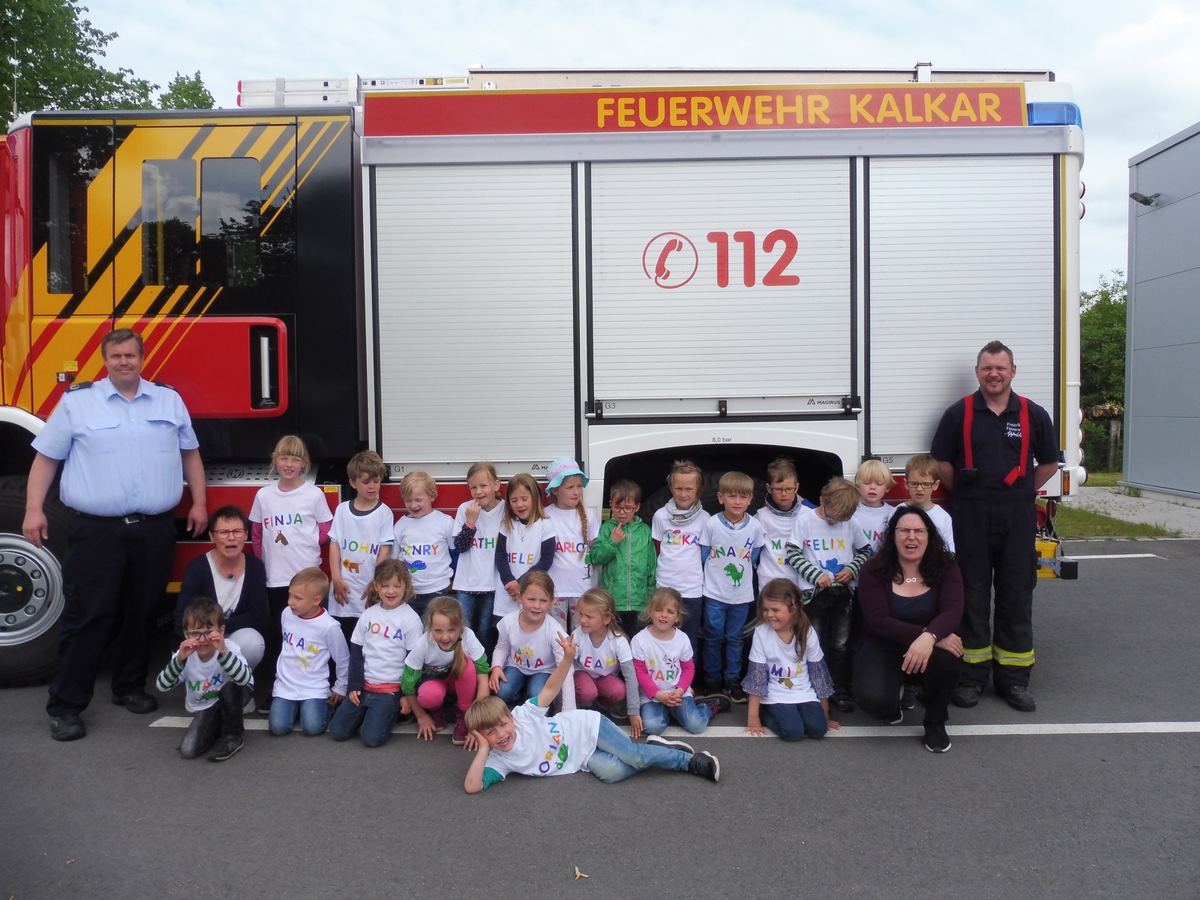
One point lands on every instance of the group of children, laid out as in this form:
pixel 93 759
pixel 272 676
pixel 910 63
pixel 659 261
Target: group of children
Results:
pixel 417 607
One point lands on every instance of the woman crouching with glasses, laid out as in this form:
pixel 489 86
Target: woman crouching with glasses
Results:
pixel 237 581
pixel 910 595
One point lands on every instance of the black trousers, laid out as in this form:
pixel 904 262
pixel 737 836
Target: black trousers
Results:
pixel 223 717
pixel 114 578
pixel 995 544
pixel 878 678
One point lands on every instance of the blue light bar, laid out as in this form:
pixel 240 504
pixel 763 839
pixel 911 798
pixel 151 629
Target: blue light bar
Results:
pixel 1054 114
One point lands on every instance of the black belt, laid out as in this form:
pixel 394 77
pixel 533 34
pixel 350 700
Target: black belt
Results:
pixel 130 519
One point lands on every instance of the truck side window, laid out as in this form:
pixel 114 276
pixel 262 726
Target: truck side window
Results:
pixel 170 207
pixel 230 201
pixel 73 157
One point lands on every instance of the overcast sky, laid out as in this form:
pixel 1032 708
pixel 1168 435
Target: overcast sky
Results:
pixel 1132 65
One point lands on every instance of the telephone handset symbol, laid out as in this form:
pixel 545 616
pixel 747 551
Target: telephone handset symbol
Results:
pixel 661 272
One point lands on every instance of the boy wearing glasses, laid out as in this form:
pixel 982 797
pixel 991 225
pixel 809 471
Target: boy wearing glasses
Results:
pixel 778 516
pixel 827 548
pixel 921 479
pixel 213 672
pixel 626 550
pixel 873 480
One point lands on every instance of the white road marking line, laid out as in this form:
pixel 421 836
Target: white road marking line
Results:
pixel 1118 556
pixel 854 731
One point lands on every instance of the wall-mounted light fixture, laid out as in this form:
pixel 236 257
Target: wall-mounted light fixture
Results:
pixel 1151 200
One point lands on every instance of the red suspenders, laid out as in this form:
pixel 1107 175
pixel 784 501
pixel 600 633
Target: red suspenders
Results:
pixel 968 456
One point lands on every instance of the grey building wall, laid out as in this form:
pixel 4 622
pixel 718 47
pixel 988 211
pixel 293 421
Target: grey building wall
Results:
pixel 1162 359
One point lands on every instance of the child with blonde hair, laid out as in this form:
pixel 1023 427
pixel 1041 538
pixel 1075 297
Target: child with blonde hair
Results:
pixel 425 540
pixel 311 641
pixel 604 673
pixel 527 645
pixel 575 527
pixel 873 480
pixel 477 525
pixel 788 681
pixel 290 520
pixel 447 660
pixel 828 548
pixel 676 529
pixel 383 640
pixel 514 742
pixel 525 542
pixel 662 659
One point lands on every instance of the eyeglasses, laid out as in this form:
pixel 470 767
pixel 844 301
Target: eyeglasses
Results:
pixel 626 507
pixel 230 533
pixel 914 532
pixel 775 489
pixel 197 635
pixel 923 485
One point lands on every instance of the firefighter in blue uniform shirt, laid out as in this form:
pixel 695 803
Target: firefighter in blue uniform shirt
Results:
pixel 994 450
pixel 126 445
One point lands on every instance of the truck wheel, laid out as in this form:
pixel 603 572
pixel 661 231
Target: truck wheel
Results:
pixel 31 589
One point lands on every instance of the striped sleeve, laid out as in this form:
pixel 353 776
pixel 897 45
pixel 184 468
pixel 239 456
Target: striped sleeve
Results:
pixel 238 671
pixel 169 676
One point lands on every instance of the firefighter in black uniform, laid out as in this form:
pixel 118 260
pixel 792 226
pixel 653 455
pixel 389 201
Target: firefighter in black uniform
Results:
pixel 994 450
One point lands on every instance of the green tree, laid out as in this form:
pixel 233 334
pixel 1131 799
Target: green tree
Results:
pixel 1102 367
pixel 186 93
pixel 49 52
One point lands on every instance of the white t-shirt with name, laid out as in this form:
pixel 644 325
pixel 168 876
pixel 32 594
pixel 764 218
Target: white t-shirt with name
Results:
pixel 425 545
pixel 291 538
pixel 772 562
pixel 309 645
pixel 435 662
pixel 476 569
pixel 524 545
pixel 826 546
pixel 788 677
pixel 387 637
pixel 602 659
pixel 359 537
pixel 663 659
pixel 874 521
pixel 679 564
pixel 547 745
pixel 203 679
pixel 571 571
pixel 728 574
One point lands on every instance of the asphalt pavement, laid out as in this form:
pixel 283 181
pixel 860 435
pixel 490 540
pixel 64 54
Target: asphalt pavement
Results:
pixel 1094 795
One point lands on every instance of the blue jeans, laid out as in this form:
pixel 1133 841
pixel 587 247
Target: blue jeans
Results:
pixel 792 721
pixel 693 620
pixel 656 716
pixel 617 757
pixel 313 715
pixel 520 686
pixel 375 715
pixel 724 625
pixel 477 613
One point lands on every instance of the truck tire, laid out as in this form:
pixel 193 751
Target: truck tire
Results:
pixel 31 589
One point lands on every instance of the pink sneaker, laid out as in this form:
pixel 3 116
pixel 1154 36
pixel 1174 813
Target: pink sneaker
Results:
pixel 439 719
pixel 460 731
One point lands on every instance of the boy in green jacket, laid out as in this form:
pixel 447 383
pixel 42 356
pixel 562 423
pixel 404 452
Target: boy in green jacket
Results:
pixel 626 551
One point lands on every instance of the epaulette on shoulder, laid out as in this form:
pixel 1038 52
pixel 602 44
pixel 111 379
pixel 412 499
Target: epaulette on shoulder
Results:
pixel 79 386
pixel 164 385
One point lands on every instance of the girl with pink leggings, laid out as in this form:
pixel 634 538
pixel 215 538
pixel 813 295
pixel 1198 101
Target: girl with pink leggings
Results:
pixel 448 659
pixel 604 674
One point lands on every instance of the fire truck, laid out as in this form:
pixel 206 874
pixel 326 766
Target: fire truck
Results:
pixel 626 266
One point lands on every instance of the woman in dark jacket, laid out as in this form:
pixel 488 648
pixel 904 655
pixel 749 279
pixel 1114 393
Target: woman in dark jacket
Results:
pixel 236 580
pixel 910 595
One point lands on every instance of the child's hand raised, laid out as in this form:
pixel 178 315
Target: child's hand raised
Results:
pixel 569 647
pixel 187 648
pixel 618 535
pixel 474 741
pixel 472 514
pixel 216 637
